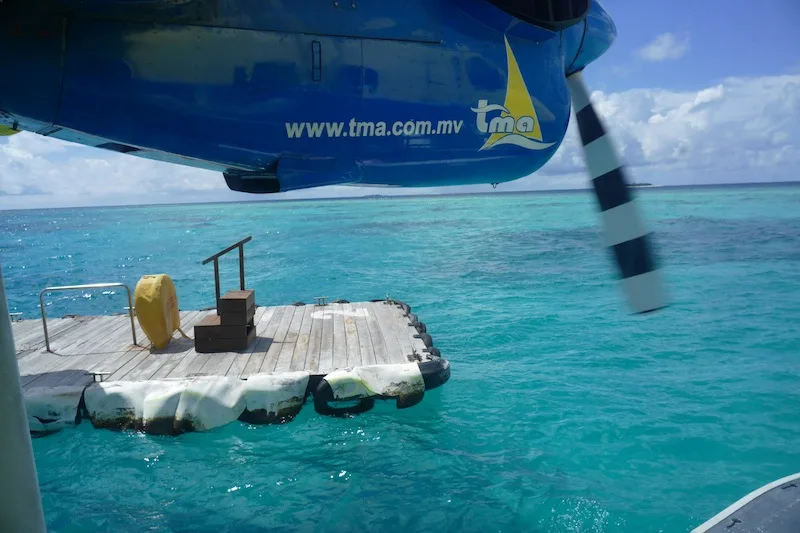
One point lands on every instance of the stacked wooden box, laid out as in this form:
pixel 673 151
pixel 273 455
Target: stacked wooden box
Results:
pixel 232 328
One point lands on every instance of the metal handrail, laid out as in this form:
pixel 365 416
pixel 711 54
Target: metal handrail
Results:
pixel 215 258
pixel 81 287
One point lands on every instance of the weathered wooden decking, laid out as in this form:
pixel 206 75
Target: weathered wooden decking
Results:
pixel 317 339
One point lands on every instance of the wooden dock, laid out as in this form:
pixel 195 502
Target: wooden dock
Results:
pixel 104 368
pixel 312 338
pixel 345 355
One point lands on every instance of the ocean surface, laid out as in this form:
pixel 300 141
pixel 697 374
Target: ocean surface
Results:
pixel 564 412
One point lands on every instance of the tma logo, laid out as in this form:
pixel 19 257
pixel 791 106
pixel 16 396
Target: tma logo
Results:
pixel 517 123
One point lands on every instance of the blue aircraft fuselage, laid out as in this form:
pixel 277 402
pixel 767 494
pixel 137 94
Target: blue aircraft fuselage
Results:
pixel 289 95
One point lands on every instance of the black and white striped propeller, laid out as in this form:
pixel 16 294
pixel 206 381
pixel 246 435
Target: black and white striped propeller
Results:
pixel 624 228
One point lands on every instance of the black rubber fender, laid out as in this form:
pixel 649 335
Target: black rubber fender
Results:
pixel 341 301
pixel 402 305
pixel 413 318
pixel 425 339
pixel 421 327
pixel 435 372
pixel 324 394
pixel 298 304
pixel 434 351
pixel 404 402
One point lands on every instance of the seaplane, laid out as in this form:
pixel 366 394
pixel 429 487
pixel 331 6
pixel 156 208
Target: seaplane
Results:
pixel 280 96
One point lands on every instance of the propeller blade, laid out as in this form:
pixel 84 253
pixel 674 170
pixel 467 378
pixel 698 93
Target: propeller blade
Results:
pixel 624 229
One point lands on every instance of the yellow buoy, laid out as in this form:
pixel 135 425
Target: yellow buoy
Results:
pixel 156 304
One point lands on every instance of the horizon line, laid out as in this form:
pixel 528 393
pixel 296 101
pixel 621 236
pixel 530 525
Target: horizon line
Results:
pixel 268 198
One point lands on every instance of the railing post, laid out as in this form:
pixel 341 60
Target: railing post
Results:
pixel 216 281
pixel 241 266
pixel 21 504
pixel 89 286
pixel 215 258
pixel 44 321
pixel 130 315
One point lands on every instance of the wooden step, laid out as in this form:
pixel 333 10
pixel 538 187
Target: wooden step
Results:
pixel 211 334
pixel 237 319
pixel 234 344
pixel 211 327
pixel 236 302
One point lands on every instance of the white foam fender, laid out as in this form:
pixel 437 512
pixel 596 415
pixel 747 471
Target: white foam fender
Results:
pixel 52 408
pixel 209 402
pixel 392 381
pixel 272 397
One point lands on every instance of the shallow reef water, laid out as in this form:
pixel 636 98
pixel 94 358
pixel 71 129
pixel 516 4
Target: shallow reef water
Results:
pixel 564 412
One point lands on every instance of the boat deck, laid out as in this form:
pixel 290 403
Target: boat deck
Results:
pixel 311 338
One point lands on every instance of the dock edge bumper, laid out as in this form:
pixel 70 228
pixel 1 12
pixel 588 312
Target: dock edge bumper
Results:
pixel 435 372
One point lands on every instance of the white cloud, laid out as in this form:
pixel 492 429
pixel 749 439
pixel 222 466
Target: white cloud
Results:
pixel 40 171
pixel 663 47
pixel 742 129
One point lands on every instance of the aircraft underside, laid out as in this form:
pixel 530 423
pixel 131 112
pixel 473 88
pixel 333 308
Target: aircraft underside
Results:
pixel 280 96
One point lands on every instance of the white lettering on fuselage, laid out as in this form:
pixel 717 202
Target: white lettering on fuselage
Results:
pixel 354 128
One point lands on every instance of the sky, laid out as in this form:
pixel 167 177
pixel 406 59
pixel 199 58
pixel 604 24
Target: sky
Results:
pixel 692 91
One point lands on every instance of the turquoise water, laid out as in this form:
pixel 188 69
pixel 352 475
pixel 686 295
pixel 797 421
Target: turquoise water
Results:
pixel 563 413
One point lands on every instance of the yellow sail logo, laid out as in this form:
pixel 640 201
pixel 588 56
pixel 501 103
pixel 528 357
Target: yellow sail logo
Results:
pixel 517 123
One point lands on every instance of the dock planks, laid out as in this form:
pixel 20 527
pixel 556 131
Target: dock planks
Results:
pixel 317 339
